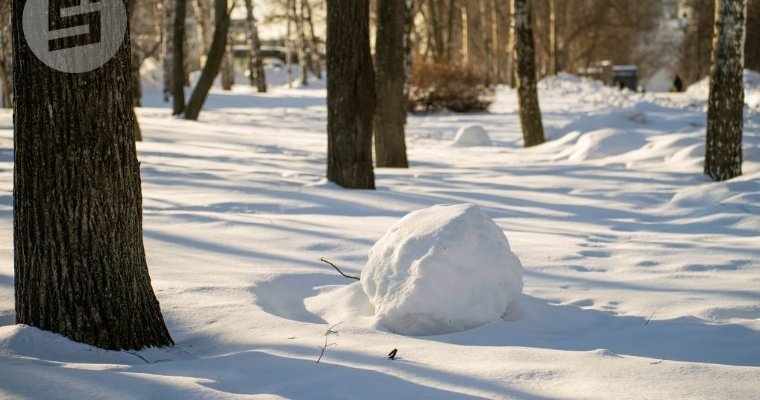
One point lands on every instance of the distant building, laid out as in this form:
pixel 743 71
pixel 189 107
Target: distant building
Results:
pixel 622 76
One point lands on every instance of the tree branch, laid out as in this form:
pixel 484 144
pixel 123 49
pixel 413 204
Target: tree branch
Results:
pixel 338 269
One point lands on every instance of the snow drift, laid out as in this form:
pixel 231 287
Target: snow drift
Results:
pixel 470 136
pixel 441 269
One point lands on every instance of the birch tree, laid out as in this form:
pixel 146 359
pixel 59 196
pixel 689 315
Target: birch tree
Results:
pixel 723 154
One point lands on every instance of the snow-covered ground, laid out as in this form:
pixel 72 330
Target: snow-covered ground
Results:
pixel 642 278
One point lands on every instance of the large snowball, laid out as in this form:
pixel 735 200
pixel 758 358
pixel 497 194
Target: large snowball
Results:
pixel 473 135
pixel 441 269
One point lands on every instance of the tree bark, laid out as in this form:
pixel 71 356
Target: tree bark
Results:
pixel 510 68
pixel 6 56
pixel 178 57
pixel 168 47
pixel 553 37
pixel 303 62
pixel 350 95
pixel 390 141
pixel 723 154
pixel 79 260
pixel 257 76
pixel 315 61
pixel 228 65
pixel 525 62
pixel 213 62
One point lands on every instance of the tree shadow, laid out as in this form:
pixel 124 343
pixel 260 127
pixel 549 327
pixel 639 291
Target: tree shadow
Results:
pixel 533 322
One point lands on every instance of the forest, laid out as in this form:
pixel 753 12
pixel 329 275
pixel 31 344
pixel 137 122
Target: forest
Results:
pixel 379 199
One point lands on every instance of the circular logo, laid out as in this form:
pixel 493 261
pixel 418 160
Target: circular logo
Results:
pixel 74 36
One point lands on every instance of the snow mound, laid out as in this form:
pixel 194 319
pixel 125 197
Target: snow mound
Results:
pixel 701 89
pixel 473 135
pixel 605 143
pixel 442 269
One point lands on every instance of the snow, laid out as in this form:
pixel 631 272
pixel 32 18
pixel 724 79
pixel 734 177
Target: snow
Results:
pixel 470 136
pixel 441 269
pixel 641 277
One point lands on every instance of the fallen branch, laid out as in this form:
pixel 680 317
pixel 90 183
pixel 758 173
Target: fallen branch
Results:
pixel 338 269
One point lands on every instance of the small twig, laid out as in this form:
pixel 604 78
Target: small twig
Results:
pixel 338 269
pixel 327 336
pixel 650 318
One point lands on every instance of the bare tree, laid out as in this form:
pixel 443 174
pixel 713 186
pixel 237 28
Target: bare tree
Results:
pixel 350 95
pixel 723 155
pixel 80 267
pixel 530 113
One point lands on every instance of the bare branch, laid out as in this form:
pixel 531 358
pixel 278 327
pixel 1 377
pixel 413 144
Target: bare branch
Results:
pixel 338 269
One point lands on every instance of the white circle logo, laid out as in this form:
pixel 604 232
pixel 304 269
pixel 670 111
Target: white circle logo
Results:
pixel 74 36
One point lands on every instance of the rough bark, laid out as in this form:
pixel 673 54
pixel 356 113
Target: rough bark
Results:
pixel 178 58
pixel 79 260
pixel 6 56
pixel 213 62
pixel 390 141
pixel 525 63
pixel 723 154
pixel 350 95
pixel 408 50
pixel 134 69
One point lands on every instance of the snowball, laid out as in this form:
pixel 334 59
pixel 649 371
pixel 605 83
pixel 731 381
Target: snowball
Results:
pixel 441 269
pixel 473 135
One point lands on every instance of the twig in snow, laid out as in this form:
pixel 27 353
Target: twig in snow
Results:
pixel 327 336
pixel 650 318
pixel 338 269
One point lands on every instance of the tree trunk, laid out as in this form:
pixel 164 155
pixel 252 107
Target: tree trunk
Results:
pixel 6 56
pixel 168 47
pixel 723 154
pixel 301 43
pixel 228 65
pixel 350 95
pixel 408 51
pixel 390 141
pixel 525 61
pixel 79 260
pixel 553 37
pixel 178 58
pixel 510 68
pixel 257 76
pixel 213 63
pixel 134 70
pixel 204 35
pixel 485 31
pixel 315 61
